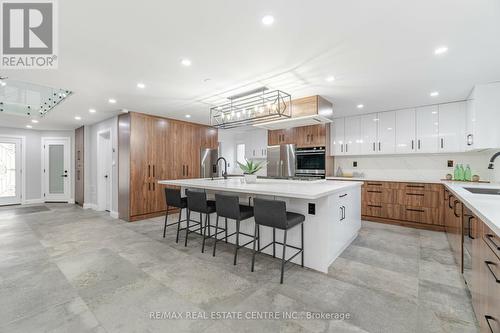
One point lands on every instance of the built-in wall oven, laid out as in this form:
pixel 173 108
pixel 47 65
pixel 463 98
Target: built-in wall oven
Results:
pixel 310 162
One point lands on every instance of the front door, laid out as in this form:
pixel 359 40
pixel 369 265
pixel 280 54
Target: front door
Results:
pixel 56 169
pixel 10 171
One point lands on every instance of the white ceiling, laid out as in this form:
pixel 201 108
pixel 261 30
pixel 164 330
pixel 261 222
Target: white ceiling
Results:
pixel 381 53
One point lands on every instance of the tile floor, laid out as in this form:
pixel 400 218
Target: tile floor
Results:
pixel 75 270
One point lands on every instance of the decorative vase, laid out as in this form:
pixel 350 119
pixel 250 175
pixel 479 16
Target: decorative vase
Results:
pixel 250 179
pixel 475 178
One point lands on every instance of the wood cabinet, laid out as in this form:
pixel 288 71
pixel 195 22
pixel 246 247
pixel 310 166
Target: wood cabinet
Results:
pixel 410 204
pixel 154 148
pixel 304 136
pixel 453 226
pixel 282 136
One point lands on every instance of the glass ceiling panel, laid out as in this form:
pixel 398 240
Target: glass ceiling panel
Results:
pixel 24 98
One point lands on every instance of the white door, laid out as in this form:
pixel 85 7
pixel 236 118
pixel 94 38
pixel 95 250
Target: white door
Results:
pixel 352 136
pixel 452 127
pixel 405 131
pixel 10 171
pixel 368 140
pixel 104 170
pixel 337 138
pixel 427 129
pixel 56 169
pixel 386 133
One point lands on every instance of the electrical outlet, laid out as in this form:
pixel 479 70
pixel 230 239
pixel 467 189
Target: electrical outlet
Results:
pixel 450 164
pixel 311 209
pixel 355 164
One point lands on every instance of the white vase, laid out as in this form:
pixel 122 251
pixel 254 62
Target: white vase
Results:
pixel 250 179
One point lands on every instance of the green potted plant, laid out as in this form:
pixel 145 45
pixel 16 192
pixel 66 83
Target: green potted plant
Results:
pixel 250 168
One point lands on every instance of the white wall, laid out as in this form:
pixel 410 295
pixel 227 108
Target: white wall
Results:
pixel 419 167
pixel 90 182
pixel 33 150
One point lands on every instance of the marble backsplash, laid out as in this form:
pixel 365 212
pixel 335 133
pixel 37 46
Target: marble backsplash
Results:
pixel 418 167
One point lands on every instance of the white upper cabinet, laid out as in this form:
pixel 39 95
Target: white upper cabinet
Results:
pixel 369 141
pixel 452 127
pixel 337 137
pixel 255 143
pixel 483 117
pixel 427 120
pixel 352 144
pixel 405 131
pixel 386 133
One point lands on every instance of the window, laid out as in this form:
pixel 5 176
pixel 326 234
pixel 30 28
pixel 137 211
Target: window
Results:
pixel 240 152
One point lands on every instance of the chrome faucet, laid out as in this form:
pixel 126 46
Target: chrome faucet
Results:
pixel 492 160
pixel 224 174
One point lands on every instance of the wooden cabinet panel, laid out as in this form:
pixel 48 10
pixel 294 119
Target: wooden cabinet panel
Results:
pixel 379 195
pixel 305 106
pixel 422 215
pixel 489 316
pixel 374 209
pixel 417 198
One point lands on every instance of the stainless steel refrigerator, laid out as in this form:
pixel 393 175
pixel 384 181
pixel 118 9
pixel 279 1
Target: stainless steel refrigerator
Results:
pixel 208 158
pixel 281 161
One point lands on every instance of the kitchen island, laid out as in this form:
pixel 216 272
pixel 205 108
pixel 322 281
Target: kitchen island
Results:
pixel 332 210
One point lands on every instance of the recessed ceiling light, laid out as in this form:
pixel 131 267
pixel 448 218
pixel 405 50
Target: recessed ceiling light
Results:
pixel 330 78
pixel 188 116
pixel 141 85
pixel 78 118
pixel 92 110
pixel 112 100
pixel 360 106
pixel 186 62
pixel 34 121
pixel 29 126
pixel 441 50
pixel 434 93
pixel 268 20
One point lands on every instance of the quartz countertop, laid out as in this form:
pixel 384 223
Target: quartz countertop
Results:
pixel 274 187
pixel 485 206
pixel 384 179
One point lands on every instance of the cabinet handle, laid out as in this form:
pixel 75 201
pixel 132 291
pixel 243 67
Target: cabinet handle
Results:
pixel 346 147
pixel 418 144
pixel 153 170
pixel 442 143
pixel 373 146
pixel 491 263
pixel 419 186
pixel 374 206
pixel 415 210
pixel 416 194
pixel 149 170
pixel 254 152
pixel 149 186
pixel 488 318
pixel 343 218
pixel 469 223
pixel 341 213
pixel 154 186
pixel 455 208
pixel 312 137
pixel 379 146
pixel 343 195
pixel 374 191
pixel 341 148
pixel 307 138
pixel 187 170
pixel 183 170
pixel 412 144
pixel 374 184
pixel 491 238
pixel 449 201
pixel 470 140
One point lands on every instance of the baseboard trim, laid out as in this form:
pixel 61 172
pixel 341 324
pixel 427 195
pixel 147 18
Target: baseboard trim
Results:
pixel 408 224
pixel 32 201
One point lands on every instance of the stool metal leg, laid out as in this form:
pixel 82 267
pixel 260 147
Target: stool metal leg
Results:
pixel 216 231
pixel 205 232
pixel 302 244
pixel 283 258
pixel 274 242
pixel 178 226
pixel 201 222
pixel 254 236
pixel 237 241
pixel 258 237
pixel 187 227
pixel 165 226
pixel 226 229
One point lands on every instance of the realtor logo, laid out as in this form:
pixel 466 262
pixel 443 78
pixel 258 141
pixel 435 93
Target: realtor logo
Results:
pixel 29 38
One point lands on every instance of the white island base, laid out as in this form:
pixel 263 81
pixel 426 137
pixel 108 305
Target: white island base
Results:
pixel 332 214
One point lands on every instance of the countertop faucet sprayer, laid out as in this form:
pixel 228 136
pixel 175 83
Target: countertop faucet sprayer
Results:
pixel 224 174
pixel 492 160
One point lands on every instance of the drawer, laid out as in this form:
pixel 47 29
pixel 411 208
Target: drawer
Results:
pixel 491 269
pixel 425 215
pixel 419 186
pixel 419 198
pixel 376 185
pixel 378 195
pixel 374 210
pixel 492 240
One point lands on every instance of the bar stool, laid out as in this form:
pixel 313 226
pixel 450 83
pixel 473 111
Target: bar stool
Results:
pixel 173 199
pixel 197 202
pixel 272 213
pixel 228 207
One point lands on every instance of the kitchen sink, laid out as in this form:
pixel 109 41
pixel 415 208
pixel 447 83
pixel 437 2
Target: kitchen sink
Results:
pixel 478 190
